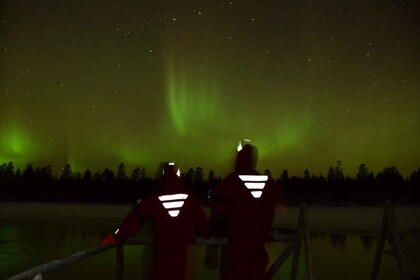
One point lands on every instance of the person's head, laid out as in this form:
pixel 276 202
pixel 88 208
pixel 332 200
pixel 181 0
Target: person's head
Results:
pixel 246 159
pixel 170 169
pixel 170 175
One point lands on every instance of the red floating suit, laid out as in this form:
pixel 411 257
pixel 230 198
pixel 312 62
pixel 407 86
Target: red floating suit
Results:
pixel 175 212
pixel 250 199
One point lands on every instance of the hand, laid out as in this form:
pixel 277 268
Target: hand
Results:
pixel 211 260
pixel 108 240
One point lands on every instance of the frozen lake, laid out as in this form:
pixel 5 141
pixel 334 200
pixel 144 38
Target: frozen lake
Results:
pixel 343 241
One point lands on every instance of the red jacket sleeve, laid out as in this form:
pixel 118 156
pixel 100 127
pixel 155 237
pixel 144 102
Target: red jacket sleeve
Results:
pixel 132 223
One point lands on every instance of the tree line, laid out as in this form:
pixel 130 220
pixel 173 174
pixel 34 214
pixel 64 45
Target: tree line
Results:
pixel 336 188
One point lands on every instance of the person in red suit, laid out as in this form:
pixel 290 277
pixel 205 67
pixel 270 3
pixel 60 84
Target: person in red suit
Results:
pixel 249 199
pixel 175 211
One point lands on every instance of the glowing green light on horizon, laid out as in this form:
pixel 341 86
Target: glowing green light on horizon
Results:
pixel 17 146
pixel 16 143
pixel 133 156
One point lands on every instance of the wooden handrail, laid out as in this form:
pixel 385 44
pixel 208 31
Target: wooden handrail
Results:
pixel 38 271
pixel 120 262
pixel 60 263
pixel 293 239
pixel 388 228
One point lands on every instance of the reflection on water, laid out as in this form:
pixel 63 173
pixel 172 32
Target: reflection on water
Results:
pixel 367 242
pixel 338 241
pixel 33 242
pixel 336 256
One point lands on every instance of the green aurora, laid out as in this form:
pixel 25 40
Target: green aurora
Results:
pixel 94 83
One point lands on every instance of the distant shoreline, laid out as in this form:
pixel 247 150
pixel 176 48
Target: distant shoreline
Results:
pixel 364 220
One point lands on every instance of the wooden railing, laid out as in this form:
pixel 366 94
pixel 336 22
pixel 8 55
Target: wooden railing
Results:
pixel 294 245
pixel 389 227
pixel 37 272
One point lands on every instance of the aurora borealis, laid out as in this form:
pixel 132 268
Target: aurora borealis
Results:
pixel 95 83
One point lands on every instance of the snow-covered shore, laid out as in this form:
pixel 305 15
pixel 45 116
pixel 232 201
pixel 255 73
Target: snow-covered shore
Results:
pixel 365 220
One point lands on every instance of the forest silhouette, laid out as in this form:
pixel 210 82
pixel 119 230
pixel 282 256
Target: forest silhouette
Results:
pixel 366 188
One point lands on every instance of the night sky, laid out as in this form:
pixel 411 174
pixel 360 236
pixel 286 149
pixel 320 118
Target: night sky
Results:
pixel 94 83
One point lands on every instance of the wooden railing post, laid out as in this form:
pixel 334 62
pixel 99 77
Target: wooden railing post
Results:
pixel 389 224
pixel 280 260
pixel 297 244
pixel 120 262
pixel 380 246
pixel 295 247
pixel 307 242
pixel 398 249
